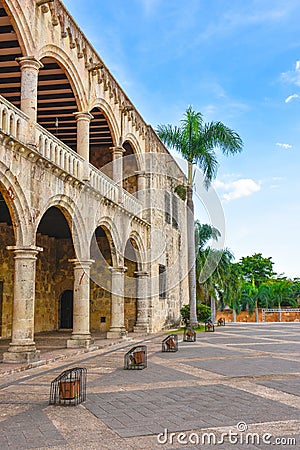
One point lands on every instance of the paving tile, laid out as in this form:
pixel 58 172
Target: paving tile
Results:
pixel 293 348
pixel 291 386
pixel 252 366
pixel 195 400
pixel 30 433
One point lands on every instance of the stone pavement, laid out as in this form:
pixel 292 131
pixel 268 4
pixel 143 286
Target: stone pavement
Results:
pixel 238 387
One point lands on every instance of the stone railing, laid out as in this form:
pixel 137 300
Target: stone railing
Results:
pixel 12 121
pixel 103 184
pixel 15 123
pixel 132 204
pixel 58 153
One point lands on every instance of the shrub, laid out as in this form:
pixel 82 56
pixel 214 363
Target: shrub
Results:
pixel 203 313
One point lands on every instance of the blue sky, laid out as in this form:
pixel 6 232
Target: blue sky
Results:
pixel 235 61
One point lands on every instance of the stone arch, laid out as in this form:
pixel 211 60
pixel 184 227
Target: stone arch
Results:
pixel 141 250
pixel 18 207
pixel 132 262
pixel 102 104
pixel 102 137
pixel 135 145
pixel 59 55
pixel 110 226
pixel 104 254
pixel 54 270
pixel 132 163
pixel 74 219
pixel 21 27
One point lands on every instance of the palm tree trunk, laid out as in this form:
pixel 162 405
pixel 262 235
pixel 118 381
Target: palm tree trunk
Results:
pixel 191 255
pixel 213 308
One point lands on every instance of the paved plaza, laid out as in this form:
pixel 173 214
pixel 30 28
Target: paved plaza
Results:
pixel 236 388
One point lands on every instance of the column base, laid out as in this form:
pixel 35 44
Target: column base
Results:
pixel 116 333
pixel 80 341
pixel 141 328
pixel 21 354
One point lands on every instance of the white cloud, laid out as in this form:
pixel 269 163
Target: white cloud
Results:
pixel 280 144
pixel 291 97
pixel 292 76
pixel 278 178
pixel 238 189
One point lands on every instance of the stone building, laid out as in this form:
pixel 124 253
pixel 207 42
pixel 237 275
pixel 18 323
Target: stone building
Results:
pixel 92 232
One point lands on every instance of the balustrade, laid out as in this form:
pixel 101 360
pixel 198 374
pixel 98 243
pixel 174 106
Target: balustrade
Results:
pixel 15 123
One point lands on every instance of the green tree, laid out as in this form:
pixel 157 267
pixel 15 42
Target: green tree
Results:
pixel 249 297
pixel 256 269
pixel 203 313
pixel 282 292
pixel 233 288
pixel 216 263
pixel 197 142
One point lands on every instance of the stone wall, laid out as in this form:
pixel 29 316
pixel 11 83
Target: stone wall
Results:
pixel 130 302
pixel 54 274
pixel 100 296
pixel 245 316
pixel 7 277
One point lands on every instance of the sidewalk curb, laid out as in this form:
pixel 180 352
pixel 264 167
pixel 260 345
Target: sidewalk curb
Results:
pixel 61 357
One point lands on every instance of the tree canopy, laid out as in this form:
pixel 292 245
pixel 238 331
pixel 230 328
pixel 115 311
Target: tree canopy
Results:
pixel 256 269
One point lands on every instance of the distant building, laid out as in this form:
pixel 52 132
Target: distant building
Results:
pixel 92 234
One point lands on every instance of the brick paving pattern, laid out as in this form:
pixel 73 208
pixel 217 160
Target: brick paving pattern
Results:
pixel 241 373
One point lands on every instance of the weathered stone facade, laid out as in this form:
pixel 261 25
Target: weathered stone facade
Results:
pixel 92 235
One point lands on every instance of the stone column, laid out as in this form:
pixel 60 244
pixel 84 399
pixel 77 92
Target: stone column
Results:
pixel 22 347
pixel 83 120
pixel 141 184
pixel 81 336
pixel 29 83
pixel 117 172
pixel 142 323
pixel 143 192
pixel 117 325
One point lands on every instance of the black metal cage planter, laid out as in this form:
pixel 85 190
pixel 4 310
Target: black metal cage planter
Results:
pixel 189 335
pixel 170 343
pixel 221 322
pixel 136 358
pixel 209 326
pixel 69 388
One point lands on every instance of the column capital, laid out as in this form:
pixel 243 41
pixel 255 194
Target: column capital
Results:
pixel 119 269
pixel 141 273
pixel 84 116
pixel 29 62
pixel 25 252
pixel 118 150
pixel 83 264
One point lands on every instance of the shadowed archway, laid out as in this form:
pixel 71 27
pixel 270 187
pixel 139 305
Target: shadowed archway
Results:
pixel 54 271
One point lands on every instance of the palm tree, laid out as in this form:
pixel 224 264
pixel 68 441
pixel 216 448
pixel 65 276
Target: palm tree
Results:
pixel 216 284
pixel 197 141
